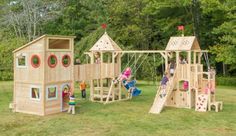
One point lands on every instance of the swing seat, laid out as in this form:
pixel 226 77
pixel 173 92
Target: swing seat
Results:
pixel 136 92
pixel 218 105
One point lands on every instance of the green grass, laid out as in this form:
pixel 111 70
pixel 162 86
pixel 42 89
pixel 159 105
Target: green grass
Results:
pixel 126 118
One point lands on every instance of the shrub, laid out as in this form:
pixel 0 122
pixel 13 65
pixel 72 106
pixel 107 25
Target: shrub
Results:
pixel 227 81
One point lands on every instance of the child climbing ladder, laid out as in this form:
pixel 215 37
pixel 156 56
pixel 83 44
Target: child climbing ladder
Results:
pixel 163 85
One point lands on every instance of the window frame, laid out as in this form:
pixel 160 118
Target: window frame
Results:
pixel 52 86
pixel 69 58
pixel 26 60
pixel 31 60
pixel 53 38
pixel 38 87
pixel 49 64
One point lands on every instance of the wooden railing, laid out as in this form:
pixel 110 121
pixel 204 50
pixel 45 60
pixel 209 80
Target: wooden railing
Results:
pixel 95 71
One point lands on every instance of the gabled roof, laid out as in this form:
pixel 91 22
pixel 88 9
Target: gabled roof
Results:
pixel 105 43
pixel 184 43
pixel 39 38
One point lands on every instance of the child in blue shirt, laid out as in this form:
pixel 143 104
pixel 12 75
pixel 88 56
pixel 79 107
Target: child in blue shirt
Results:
pixel 164 81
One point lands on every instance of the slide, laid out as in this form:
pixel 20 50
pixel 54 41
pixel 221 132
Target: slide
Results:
pixel 159 101
pixel 131 85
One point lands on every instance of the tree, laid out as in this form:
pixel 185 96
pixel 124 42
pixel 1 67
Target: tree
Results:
pixel 221 16
pixel 25 17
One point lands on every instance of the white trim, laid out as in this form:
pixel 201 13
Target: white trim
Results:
pixel 51 86
pixel 40 94
pixel 26 60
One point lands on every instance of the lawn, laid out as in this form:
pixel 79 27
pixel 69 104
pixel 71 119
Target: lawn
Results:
pixel 126 118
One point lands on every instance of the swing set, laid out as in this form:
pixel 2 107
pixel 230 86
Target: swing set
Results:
pixel 109 70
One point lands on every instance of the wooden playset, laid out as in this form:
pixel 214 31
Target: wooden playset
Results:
pixel 43 72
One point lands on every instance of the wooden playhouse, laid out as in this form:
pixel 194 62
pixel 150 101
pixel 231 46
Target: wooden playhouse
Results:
pixel 43 68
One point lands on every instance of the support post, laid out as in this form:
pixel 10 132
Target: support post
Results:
pixel 189 80
pixel 119 66
pixel 101 78
pixel 166 61
pixel 91 81
pixel 113 71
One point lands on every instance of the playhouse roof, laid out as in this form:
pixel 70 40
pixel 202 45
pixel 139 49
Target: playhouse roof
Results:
pixel 105 43
pixel 39 38
pixel 184 43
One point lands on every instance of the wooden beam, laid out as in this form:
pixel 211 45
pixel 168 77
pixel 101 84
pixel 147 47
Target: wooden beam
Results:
pixel 101 76
pixel 143 51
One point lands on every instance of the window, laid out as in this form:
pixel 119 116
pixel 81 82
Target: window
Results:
pixel 59 44
pixel 66 60
pixel 51 92
pixel 52 61
pixel 34 93
pixel 21 60
pixel 35 61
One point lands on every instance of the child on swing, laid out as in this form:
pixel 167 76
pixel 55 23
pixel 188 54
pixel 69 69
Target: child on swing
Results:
pixel 124 76
pixel 164 81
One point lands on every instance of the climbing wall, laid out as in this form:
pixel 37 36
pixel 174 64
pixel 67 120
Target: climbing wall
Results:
pixel 201 104
pixel 178 99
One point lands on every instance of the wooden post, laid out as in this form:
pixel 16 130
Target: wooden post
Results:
pixel 199 57
pixel 72 66
pixel 194 57
pixel 44 76
pixel 209 91
pixel 166 61
pixel 189 80
pixel 113 71
pixel 91 81
pixel 119 66
pixel 177 68
pixel 101 78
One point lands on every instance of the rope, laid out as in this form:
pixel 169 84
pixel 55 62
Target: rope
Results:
pixel 141 63
pixel 206 59
pixel 162 65
pixel 128 62
pixel 135 66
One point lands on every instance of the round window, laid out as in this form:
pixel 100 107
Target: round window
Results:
pixel 66 60
pixel 52 61
pixel 35 61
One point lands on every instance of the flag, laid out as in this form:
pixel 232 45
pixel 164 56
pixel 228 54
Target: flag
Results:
pixel 104 26
pixel 181 27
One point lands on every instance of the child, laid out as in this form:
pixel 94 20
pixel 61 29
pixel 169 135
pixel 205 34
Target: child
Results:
pixel 72 104
pixel 172 67
pixel 82 87
pixel 185 85
pixel 77 61
pixel 65 97
pixel 164 80
pixel 97 58
pixel 124 76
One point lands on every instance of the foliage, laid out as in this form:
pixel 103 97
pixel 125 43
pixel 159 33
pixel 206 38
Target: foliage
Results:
pixel 6 57
pixel 25 17
pixel 221 17
pixel 226 81
pixel 133 24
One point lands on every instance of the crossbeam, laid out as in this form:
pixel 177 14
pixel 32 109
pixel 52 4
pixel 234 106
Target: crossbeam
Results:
pixel 142 51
